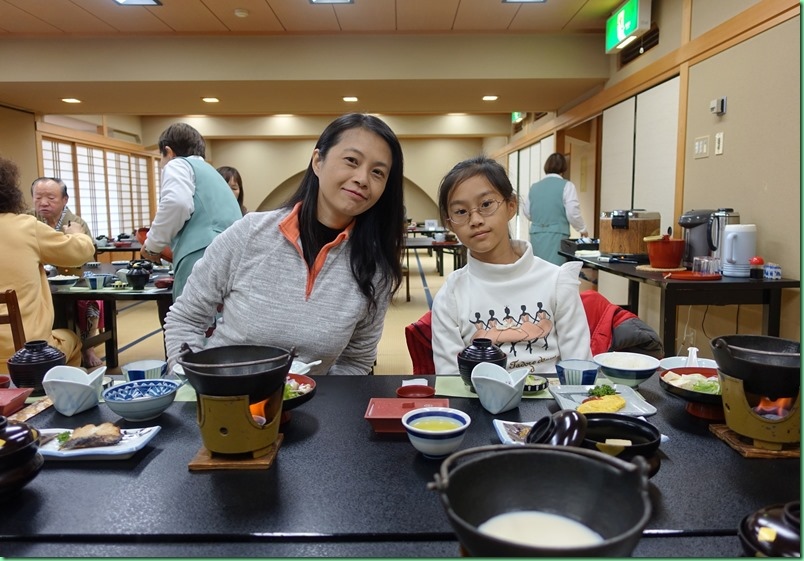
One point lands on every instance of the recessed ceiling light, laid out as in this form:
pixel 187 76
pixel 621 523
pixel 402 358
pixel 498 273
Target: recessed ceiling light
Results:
pixel 350 99
pixel 241 12
pixel 284 115
pixel 489 98
pixel 70 100
pixel 332 1
pixel 210 99
pixel 139 2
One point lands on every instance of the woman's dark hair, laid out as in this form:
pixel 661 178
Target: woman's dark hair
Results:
pixel 183 139
pixel 377 234
pixel 230 173
pixel 11 199
pixel 479 165
pixel 556 163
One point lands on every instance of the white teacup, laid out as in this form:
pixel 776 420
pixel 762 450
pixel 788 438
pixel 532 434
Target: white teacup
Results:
pixel 440 237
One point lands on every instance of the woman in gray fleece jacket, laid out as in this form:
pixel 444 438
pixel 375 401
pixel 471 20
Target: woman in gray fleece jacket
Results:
pixel 317 274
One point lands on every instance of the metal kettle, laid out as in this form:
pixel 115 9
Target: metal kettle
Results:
pixel 718 221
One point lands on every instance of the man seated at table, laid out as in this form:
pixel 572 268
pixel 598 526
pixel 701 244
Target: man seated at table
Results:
pixel 50 206
pixel 26 245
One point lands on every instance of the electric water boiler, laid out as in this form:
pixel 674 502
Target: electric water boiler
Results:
pixel 696 225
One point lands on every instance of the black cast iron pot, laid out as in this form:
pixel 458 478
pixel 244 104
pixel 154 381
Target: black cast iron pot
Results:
pixel 237 370
pixel 606 494
pixel 768 366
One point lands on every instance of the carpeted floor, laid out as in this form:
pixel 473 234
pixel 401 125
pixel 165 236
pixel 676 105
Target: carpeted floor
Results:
pixel 140 336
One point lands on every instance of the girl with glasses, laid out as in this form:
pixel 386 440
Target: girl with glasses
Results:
pixel 476 201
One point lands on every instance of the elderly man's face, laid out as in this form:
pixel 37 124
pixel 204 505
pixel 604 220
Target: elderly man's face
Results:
pixel 49 201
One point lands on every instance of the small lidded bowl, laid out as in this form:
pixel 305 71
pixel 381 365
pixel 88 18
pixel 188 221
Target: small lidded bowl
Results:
pixel 481 350
pixel 436 432
pixel 20 460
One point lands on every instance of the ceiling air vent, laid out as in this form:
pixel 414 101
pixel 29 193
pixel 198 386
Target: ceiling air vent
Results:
pixel 646 42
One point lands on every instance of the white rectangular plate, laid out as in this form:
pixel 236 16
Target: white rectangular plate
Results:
pixel 510 432
pixel 570 397
pixel 133 440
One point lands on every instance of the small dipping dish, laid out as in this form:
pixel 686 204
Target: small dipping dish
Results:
pixel 415 391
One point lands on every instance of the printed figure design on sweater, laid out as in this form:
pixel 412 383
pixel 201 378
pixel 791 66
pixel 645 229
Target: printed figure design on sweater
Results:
pixel 525 329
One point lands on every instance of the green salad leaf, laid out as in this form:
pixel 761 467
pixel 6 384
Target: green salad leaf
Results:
pixel 600 391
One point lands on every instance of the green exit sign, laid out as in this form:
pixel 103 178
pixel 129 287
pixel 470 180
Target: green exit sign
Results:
pixel 517 116
pixel 628 22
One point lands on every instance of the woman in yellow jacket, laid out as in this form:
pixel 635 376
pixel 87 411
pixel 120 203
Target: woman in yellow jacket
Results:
pixel 26 245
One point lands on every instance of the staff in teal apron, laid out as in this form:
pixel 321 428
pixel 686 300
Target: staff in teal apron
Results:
pixel 552 206
pixel 195 205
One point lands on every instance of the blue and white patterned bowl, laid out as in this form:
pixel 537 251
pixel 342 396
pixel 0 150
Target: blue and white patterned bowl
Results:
pixel 144 369
pixel 576 372
pixel 141 400
pixel 436 443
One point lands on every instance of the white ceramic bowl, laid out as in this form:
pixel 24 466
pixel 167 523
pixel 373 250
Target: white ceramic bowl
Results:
pixel 498 389
pixel 62 283
pixel 576 372
pixel 144 370
pixel 671 362
pixel 178 370
pixel 436 443
pixel 72 390
pixel 628 369
pixel 141 400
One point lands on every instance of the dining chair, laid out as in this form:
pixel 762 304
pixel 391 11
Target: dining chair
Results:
pixel 418 336
pixel 13 317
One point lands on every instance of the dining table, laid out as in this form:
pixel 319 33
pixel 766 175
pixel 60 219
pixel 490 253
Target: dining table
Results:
pixel 64 304
pixel 456 248
pixel 675 291
pixel 337 488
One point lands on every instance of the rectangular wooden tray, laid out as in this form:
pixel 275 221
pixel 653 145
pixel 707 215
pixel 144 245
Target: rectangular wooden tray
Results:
pixel 385 413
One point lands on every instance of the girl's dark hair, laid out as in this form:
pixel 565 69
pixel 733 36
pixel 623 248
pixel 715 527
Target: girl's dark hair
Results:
pixel 183 139
pixel 479 165
pixel 11 199
pixel 377 236
pixel 556 163
pixel 228 173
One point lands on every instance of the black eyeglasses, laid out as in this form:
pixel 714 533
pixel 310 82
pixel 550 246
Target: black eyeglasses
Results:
pixel 460 216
